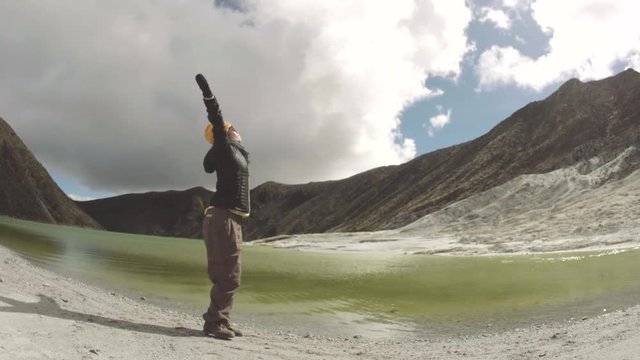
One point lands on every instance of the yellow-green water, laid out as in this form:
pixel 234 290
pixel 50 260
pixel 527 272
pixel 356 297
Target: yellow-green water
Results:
pixel 375 290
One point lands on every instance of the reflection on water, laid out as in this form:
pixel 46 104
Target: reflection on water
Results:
pixel 377 294
pixel 35 246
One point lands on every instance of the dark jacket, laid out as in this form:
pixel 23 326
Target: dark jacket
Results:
pixel 231 162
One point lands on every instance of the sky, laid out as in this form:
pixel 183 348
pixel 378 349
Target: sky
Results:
pixel 103 92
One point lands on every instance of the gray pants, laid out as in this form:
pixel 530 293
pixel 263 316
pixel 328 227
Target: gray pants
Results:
pixel 222 237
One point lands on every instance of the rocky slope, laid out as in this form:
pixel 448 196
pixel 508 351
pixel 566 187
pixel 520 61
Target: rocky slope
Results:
pixel 27 191
pixel 587 206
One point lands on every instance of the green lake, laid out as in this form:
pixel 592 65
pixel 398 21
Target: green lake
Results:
pixel 370 294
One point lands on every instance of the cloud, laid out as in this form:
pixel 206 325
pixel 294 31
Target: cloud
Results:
pixel 634 61
pixel 104 91
pixel 587 40
pixel 438 122
pixel 498 17
pixel 79 198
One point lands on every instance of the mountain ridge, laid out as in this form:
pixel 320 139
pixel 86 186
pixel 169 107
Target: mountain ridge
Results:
pixel 28 191
pixel 566 127
pixel 162 213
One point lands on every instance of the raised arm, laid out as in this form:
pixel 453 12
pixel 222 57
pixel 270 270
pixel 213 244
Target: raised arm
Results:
pixel 213 109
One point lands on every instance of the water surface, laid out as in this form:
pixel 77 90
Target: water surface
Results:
pixel 370 294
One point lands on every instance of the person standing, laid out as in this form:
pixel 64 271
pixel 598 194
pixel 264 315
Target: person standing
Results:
pixel 222 228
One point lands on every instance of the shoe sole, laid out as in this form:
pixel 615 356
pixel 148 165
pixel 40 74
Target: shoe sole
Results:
pixel 220 336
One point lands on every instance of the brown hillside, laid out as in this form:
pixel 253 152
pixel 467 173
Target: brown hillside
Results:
pixel 26 189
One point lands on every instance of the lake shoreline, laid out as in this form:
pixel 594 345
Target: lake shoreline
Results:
pixel 392 242
pixel 45 315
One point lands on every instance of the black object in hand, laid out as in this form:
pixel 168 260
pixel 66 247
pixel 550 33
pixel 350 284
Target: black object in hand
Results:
pixel 204 86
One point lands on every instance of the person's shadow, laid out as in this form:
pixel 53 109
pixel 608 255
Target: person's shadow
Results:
pixel 48 307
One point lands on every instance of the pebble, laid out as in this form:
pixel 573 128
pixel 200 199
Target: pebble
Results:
pixel 112 293
pixel 1 280
pixel 584 318
pixel 94 351
pixel 143 298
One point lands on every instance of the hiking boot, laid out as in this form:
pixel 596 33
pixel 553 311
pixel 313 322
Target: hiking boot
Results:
pixel 234 329
pixel 218 331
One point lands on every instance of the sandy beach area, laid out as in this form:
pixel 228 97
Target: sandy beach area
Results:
pixel 46 316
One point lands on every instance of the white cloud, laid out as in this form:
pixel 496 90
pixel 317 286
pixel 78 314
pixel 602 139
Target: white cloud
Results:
pixel 104 91
pixel 634 61
pixel 498 17
pixel 587 39
pixel 438 122
pixel 79 198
